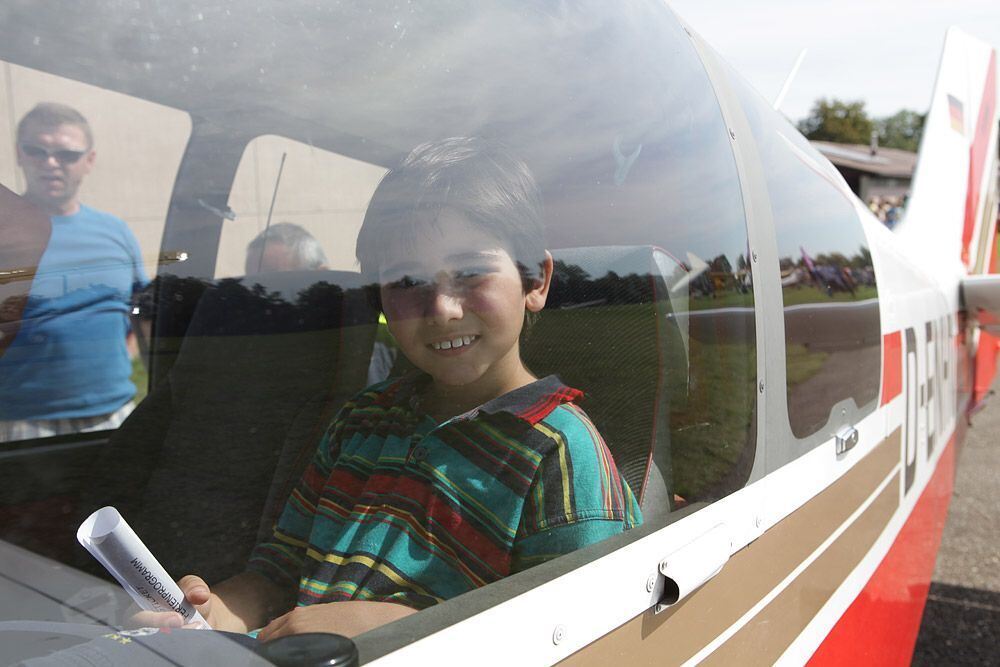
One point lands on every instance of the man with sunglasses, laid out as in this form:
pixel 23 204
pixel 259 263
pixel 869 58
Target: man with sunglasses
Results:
pixel 68 369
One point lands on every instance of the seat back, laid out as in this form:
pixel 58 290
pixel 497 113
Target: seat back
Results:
pixel 25 231
pixel 265 361
pixel 608 331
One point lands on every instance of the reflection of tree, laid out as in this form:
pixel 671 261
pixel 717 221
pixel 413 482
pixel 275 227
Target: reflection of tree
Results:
pixel 721 265
pixel 568 283
pixel 172 301
pixel 720 273
pixel 572 285
pixel 569 272
pixel 833 258
pixel 233 307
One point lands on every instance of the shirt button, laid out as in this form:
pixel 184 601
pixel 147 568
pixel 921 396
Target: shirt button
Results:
pixel 419 453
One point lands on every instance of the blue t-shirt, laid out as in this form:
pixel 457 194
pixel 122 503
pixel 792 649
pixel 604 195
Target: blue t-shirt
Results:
pixel 69 358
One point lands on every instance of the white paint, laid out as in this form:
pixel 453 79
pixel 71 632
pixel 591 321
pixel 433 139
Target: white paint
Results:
pixel 570 599
pixel 809 640
pixel 788 580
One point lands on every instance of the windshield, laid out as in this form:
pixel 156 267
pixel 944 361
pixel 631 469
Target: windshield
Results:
pixel 374 303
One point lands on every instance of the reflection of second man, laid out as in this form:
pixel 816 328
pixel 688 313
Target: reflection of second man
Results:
pixel 284 246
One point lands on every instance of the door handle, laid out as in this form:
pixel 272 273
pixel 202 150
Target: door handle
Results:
pixel 845 439
pixel 690 566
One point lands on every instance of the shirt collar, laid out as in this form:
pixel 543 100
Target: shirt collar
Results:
pixel 531 403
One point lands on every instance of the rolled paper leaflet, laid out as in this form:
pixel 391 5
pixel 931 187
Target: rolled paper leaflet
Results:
pixel 109 539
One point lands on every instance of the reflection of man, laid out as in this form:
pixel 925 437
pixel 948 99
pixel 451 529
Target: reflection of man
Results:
pixel 284 247
pixel 68 369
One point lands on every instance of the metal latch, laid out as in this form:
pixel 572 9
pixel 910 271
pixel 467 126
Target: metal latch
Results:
pixel 690 566
pixel 845 439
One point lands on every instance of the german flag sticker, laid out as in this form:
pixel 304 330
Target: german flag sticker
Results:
pixel 957 114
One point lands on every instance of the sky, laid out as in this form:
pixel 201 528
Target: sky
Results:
pixel 883 52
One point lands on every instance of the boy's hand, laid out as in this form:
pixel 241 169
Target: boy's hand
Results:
pixel 196 593
pixel 343 618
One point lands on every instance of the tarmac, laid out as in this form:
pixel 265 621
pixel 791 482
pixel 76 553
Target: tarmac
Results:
pixel 961 624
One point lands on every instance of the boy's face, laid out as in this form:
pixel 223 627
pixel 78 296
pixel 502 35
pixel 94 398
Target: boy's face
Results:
pixel 455 303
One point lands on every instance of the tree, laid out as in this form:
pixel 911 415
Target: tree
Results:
pixel 901 130
pixel 838 121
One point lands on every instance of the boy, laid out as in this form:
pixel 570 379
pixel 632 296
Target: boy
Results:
pixel 430 486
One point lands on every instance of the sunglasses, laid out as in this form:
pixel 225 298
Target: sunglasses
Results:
pixel 61 156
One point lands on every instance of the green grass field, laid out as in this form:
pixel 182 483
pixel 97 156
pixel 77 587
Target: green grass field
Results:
pixel 793 296
pixel 613 353
pixel 710 417
pixel 140 377
pixel 727 300
pixel 801 364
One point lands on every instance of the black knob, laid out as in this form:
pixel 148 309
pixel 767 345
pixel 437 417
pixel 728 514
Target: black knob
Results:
pixel 311 649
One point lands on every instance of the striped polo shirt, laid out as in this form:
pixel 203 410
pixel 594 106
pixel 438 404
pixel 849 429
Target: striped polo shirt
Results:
pixel 396 507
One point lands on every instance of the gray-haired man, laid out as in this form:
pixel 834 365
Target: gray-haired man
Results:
pixel 284 246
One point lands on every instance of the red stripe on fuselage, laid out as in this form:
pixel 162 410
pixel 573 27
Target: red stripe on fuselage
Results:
pixel 881 625
pixel 978 155
pixel 892 366
pixel 986 366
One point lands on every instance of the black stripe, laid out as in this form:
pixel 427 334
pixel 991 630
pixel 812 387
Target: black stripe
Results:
pixel 476 444
pixel 550 474
pixel 517 401
pixel 360 574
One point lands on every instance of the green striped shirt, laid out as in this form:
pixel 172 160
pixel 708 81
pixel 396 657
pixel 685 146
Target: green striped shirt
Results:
pixel 396 507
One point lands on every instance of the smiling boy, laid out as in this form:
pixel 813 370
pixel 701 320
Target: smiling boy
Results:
pixel 473 469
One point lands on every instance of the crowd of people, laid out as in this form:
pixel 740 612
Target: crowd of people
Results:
pixel 889 210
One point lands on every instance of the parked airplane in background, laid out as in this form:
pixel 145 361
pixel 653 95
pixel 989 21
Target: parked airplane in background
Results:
pixel 783 382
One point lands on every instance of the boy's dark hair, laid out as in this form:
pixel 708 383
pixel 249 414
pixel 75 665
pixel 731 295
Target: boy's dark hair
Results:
pixel 49 115
pixel 478 178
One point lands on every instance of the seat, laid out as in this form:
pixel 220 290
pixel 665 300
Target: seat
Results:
pixel 607 329
pixel 25 231
pixel 265 363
